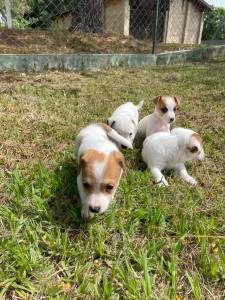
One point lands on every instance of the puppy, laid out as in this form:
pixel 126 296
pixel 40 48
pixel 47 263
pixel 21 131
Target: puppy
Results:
pixel 160 119
pixel 125 120
pixel 164 150
pixel 100 166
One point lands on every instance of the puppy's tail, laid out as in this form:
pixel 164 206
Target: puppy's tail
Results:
pixel 140 104
pixel 116 137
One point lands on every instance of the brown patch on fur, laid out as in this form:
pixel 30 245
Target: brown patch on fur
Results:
pixel 112 171
pixel 161 102
pixel 197 137
pixel 87 160
pixel 104 126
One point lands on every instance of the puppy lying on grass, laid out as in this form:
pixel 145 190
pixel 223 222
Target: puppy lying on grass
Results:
pixel 160 119
pixel 100 167
pixel 164 150
pixel 125 120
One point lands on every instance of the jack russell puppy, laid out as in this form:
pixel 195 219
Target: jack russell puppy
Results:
pixel 125 120
pixel 160 119
pixel 164 150
pixel 100 166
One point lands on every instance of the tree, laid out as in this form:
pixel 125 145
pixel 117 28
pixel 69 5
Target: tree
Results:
pixel 17 10
pixel 8 13
pixel 214 24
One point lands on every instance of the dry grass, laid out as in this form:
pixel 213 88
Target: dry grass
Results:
pixel 37 41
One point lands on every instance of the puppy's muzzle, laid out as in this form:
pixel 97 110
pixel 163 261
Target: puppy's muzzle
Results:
pixel 171 120
pixel 94 209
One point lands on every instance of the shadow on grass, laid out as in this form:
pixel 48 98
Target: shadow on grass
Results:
pixel 65 204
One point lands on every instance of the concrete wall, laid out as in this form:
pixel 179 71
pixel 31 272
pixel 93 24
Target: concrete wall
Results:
pixel 117 16
pixel 184 23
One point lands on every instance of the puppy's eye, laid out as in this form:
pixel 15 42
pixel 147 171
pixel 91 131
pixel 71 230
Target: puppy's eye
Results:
pixel 164 109
pixel 86 185
pixel 174 109
pixel 194 149
pixel 109 188
pixel 130 134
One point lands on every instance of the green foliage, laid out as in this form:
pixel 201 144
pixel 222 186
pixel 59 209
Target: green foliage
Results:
pixel 39 12
pixel 214 24
pixel 18 7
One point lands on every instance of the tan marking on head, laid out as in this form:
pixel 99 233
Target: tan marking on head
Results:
pixel 86 167
pixel 112 171
pixel 197 137
pixel 160 103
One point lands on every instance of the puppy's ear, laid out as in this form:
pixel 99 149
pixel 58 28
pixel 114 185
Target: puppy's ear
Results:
pixel 111 122
pixel 121 161
pixel 157 99
pixel 177 101
pixel 81 162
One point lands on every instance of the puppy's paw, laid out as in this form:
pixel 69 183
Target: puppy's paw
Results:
pixel 86 214
pixel 165 183
pixel 162 183
pixel 191 180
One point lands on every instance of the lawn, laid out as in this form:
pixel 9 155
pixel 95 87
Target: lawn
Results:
pixel 153 243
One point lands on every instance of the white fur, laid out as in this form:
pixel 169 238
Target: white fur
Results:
pixel 125 119
pixel 94 137
pixel 165 150
pixel 155 122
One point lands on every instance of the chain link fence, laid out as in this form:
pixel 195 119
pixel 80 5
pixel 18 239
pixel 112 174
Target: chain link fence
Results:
pixel 107 26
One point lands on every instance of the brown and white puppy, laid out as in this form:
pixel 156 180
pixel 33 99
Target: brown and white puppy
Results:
pixel 160 119
pixel 164 150
pixel 100 166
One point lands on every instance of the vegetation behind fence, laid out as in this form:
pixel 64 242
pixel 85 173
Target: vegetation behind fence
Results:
pixel 101 26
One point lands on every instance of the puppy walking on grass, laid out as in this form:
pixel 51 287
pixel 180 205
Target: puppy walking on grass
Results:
pixel 164 150
pixel 100 167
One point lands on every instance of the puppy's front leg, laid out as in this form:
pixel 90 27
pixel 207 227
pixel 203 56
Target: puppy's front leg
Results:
pixel 158 177
pixel 185 176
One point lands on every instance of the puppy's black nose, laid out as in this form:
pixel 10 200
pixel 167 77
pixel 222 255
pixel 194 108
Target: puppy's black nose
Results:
pixel 94 209
pixel 123 147
pixel 171 120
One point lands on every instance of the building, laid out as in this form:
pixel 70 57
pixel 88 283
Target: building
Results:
pixel 179 21
pixel 184 21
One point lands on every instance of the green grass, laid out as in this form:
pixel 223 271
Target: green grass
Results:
pixel 152 243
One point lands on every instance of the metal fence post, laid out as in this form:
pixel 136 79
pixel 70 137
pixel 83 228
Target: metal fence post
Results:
pixel 156 16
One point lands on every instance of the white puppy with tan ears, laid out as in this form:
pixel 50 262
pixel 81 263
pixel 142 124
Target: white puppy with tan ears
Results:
pixel 160 119
pixel 164 150
pixel 100 166
pixel 125 120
